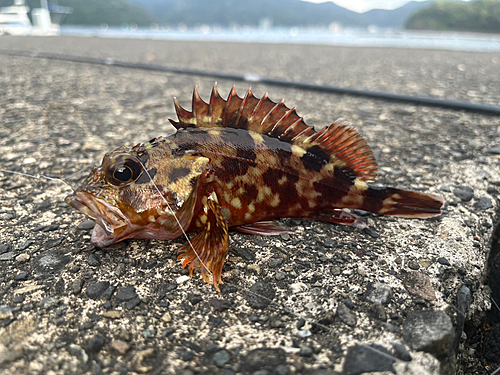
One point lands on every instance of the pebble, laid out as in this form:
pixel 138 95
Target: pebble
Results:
pixel 348 302
pixel 280 276
pixel 220 304
pixel 86 225
pixel 378 293
pixel 346 315
pixel 149 333
pixel 362 359
pixel 401 352
pixel 49 303
pixel 378 312
pixel 93 260
pixel 77 286
pixel 78 352
pixel 113 314
pixel 22 276
pixel 483 204
pixel 121 347
pixel 444 261
pixel 276 262
pixel 95 291
pixel 5 312
pixel 7 256
pixel 221 358
pixel 301 323
pixel 304 333
pixel 166 317
pixel 125 294
pixel 185 354
pixel 464 193
pixel 96 343
pixel 261 295
pixel 254 268
pixel 305 351
pixel 4 247
pixel 494 150
pixel 430 331
pixel 263 359
pixel 419 285
pixel 133 303
pixel 182 279
pixel 298 287
pixel 22 258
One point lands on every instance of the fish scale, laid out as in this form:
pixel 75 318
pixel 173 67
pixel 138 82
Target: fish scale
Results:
pixel 237 163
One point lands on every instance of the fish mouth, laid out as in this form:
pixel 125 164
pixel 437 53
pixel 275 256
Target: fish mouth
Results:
pixel 111 223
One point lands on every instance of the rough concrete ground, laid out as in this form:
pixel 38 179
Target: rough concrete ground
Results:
pixel 67 307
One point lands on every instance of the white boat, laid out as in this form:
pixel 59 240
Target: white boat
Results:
pixel 14 20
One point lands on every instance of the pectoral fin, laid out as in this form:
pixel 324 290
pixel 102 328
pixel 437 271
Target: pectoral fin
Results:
pixel 209 248
pixel 263 228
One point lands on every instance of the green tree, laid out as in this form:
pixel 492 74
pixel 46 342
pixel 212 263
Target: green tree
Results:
pixel 478 15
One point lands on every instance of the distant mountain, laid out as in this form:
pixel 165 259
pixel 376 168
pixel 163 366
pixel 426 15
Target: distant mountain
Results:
pixel 394 18
pixel 279 12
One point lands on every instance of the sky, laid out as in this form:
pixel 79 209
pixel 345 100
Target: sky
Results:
pixel 365 5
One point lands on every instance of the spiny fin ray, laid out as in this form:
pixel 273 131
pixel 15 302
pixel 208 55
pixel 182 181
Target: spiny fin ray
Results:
pixel 339 143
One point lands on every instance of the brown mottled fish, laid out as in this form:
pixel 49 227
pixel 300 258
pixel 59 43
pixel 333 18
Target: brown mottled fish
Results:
pixel 236 163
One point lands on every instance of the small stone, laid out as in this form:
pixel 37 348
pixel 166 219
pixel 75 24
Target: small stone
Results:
pixel 18 299
pixel 86 225
pixel 494 151
pixel 96 290
pixel 260 295
pixel 78 352
pixel 430 331
pixel 285 236
pixel 23 258
pixel 93 260
pixel 280 276
pixel 444 261
pixel 378 293
pixel 378 312
pixel 361 359
pixel 185 354
pixel 304 333
pixel 166 318
pixel 121 347
pixel 149 333
pixel 96 343
pixel 254 268
pixel 221 358
pixel 305 351
pixel 133 303
pixel 419 285
pixel 346 315
pixel 220 304
pixel 264 359
pixel 182 279
pixel 77 286
pixel 348 302
pixel 23 276
pixel 125 294
pixel 483 204
pixel 113 314
pixel 298 287
pixel 464 193
pixel 401 352
pixel 301 323
pixel 276 262
pixel 5 313
pixel 336 271
pixel 86 325
pixel 7 256
pixel 48 303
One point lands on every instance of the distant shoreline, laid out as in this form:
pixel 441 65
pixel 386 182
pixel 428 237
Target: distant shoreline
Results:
pixel 455 41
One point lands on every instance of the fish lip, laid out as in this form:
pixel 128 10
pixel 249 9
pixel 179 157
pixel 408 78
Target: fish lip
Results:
pixel 99 211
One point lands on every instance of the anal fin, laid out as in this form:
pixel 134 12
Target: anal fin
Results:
pixel 263 228
pixel 338 216
pixel 209 248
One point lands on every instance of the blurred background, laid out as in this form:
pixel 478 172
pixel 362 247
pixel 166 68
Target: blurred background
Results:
pixel 429 24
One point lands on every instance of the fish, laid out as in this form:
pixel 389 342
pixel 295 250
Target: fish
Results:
pixel 237 163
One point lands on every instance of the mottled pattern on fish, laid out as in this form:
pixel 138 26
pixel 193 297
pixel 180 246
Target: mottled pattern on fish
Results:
pixel 236 163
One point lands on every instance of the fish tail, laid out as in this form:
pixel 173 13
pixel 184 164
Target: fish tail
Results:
pixel 402 203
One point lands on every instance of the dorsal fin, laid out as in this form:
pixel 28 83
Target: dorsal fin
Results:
pixel 339 143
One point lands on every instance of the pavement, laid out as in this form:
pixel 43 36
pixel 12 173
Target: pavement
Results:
pixel 405 298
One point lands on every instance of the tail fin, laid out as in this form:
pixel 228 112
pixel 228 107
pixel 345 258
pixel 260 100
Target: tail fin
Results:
pixel 403 203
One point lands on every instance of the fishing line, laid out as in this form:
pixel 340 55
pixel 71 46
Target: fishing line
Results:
pixel 38 177
pixel 418 100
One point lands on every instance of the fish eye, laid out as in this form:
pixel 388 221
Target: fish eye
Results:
pixel 123 172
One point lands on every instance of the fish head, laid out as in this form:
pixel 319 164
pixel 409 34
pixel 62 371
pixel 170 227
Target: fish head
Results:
pixel 141 192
